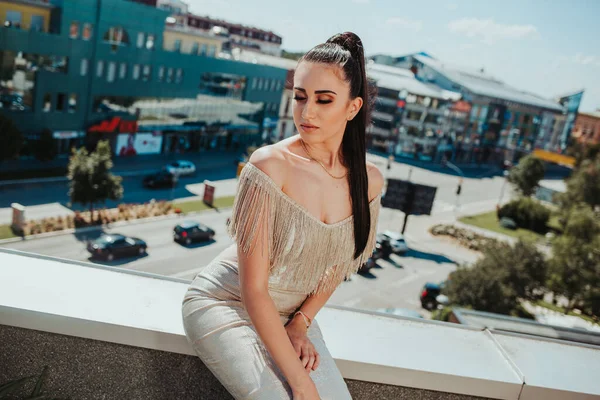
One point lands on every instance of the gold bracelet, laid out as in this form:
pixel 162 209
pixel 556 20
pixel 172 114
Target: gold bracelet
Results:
pixel 306 318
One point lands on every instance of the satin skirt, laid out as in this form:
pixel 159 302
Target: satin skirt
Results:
pixel 222 335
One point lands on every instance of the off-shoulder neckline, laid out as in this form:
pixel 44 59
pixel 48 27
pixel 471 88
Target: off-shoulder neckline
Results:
pixel 300 207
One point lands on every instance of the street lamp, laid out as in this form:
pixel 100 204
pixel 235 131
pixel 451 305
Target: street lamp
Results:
pixel 505 174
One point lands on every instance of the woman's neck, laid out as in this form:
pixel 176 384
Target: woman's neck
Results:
pixel 328 152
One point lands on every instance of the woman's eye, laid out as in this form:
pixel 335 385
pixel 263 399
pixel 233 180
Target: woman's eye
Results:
pixel 298 98
pixel 323 101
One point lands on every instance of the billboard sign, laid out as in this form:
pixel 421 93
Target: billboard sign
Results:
pixel 409 197
pixel 131 144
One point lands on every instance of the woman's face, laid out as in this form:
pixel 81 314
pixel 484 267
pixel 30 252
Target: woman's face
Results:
pixel 322 104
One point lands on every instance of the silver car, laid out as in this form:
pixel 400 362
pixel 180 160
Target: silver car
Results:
pixel 396 240
pixel 181 167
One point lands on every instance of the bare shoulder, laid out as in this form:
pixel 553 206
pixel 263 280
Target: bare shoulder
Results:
pixel 376 179
pixel 270 160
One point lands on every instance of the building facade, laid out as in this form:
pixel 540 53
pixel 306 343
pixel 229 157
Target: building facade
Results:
pixel 587 128
pixel 411 118
pixel 503 122
pixel 96 73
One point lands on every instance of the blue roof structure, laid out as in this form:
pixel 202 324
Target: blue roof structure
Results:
pixel 485 85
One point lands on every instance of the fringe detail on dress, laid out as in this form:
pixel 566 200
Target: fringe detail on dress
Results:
pixel 305 254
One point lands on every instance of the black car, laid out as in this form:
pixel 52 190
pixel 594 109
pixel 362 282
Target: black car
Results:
pixel 113 246
pixel 429 295
pixel 190 231
pixel 160 179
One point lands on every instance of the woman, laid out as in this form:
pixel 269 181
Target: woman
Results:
pixel 304 219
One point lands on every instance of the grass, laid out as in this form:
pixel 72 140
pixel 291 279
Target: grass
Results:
pixel 198 205
pixel 561 310
pixel 6 232
pixel 490 222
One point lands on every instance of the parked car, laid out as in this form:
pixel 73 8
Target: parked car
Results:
pixel 431 295
pixel 190 231
pixel 396 240
pixel 181 167
pixel 160 179
pixel 112 246
pixel 402 312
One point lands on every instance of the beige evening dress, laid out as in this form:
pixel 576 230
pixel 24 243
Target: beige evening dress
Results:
pixel 307 256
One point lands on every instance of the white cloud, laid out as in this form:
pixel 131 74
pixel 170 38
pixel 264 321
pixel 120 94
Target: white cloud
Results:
pixel 490 31
pixel 586 59
pixel 414 25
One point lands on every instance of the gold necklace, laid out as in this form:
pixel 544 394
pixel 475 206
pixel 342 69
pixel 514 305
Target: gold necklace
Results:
pixel 321 164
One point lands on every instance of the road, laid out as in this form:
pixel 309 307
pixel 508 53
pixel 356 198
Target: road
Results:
pixel 395 283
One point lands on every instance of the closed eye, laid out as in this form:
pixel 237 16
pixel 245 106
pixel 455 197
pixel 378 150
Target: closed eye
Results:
pixel 298 98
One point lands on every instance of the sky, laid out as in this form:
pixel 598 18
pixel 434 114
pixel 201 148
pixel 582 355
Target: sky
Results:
pixel 547 47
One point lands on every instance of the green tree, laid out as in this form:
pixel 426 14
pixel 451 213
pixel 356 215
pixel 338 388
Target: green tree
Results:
pixel 500 279
pixel 91 181
pixel 526 175
pixel 45 148
pixel 575 266
pixel 12 139
pixel 583 186
pixel 574 270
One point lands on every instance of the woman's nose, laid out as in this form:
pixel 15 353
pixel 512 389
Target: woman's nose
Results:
pixel 308 112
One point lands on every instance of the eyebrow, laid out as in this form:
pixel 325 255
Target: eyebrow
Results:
pixel 316 91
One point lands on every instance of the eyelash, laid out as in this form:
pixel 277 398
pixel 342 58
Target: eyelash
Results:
pixel 318 101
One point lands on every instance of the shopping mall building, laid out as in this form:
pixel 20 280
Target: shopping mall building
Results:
pixel 129 72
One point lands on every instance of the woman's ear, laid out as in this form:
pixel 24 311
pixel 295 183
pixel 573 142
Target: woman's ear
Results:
pixel 355 106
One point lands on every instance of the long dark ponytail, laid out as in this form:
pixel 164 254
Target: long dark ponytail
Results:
pixel 346 51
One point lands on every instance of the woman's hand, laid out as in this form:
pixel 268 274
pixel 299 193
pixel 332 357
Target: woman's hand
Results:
pixel 296 330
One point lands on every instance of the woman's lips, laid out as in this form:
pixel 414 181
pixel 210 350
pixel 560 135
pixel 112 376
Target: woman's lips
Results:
pixel 308 127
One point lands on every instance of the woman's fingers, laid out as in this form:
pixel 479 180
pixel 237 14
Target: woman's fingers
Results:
pixel 317 361
pixel 311 362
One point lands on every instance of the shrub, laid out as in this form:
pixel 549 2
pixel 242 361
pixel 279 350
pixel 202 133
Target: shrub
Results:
pixel 527 214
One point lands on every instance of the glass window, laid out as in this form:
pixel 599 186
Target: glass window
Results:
pixel 260 83
pixel 74 30
pixel 161 73
pixel 273 84
pixel 146 71
pixel 177 45
pixel 140 40
pixel 195 47
pixel 116 36
pixel 254 82
pixel 14 18
pixel 123 71
pixel 203 49
pixel 87 31
pixel 100 69
pixel 150 42
pixel 169 75
pixel 278 88
pixel 37 23
pixel 136 72
pixel 112 70
pixel 60 101
pixel 212 49
pixel 47 102
pixel 72 102
pixel 84 67
pixel 179 75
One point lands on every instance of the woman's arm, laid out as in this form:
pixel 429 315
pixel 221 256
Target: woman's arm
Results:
pixel 254 275
pixel 296 330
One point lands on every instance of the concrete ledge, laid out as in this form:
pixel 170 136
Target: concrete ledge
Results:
pixel 90 369
pixel 89 320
